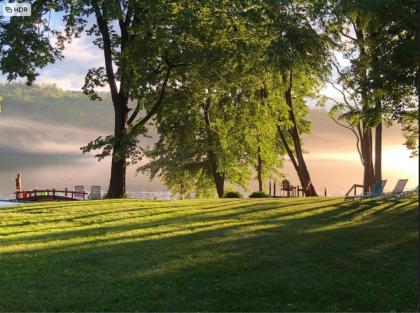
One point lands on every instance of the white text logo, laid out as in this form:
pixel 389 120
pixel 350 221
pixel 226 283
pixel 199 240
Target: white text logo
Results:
pixel 16 9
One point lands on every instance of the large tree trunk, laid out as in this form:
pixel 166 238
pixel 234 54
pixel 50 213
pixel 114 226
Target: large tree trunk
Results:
pixel 218 177
pixel 366 136
pixel 378 152
pixel 368 169
pixel 418 95
pixel 119 100
pixel 299 161
pixel 304 179
pixel 117 184
pixel 219 181
pixel 259 170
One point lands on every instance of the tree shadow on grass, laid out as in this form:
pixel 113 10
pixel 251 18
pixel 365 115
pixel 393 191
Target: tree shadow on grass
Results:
pixel 264 264
pixel 214 213
pixel 256 206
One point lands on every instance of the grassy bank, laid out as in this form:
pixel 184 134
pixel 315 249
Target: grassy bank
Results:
pixel 209 255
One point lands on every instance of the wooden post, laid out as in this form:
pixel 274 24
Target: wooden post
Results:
pixel 274 191
pixel 269 188
pixel 35 194
pixel 53 193
pixel 65 191
pixel 325 192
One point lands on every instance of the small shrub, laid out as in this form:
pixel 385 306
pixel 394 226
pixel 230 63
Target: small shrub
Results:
pixel 258 194
pixel 232 194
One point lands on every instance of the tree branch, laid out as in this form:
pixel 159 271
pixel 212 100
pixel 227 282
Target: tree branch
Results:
pixel 359 130
pixel 134 114
pixel 343 95
pixel 289 151
pixel 347 36
pixel 154 109
pixel 351 128
pixel 337 68
pixel 104 30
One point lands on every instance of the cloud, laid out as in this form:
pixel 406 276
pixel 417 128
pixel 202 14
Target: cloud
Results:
pixel 69 73
pixel 79 56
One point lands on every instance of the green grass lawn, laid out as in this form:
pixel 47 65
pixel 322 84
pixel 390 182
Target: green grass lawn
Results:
pixel 210 255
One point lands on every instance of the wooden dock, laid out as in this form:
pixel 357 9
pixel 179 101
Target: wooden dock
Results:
pixel 49 195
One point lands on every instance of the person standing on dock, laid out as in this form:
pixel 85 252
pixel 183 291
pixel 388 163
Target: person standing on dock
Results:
pixel 19 186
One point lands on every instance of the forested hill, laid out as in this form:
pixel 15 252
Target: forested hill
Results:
pixel 54 106
pixel 50 104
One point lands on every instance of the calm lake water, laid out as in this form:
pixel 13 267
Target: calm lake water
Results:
pixel 61 171
pixel 48 156
pixel 7 203
pixel 66 171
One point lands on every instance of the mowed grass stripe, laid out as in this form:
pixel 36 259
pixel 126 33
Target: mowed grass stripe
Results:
pixel 309 254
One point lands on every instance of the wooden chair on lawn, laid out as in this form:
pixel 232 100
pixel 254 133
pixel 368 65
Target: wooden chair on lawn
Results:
pixel 285 186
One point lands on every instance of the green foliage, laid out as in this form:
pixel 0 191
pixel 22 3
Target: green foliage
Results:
pixel 233 194
pixel 410 128
pixel 378 41
pixel 217 67
pixel 230 105
pixel 258 194
pixel 25 43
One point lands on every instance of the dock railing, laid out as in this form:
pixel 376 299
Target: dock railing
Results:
pixel 49 194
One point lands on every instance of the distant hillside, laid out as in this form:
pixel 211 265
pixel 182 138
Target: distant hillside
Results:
pixel 53 105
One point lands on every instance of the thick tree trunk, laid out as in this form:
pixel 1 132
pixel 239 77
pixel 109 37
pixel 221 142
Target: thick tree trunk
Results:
pixel 378 152
pixel 378 143
pixel 219 181
pixel 117 184
pixel 119 100
pixel 259 170
pixel 304 179
pixel 299 163
pixel 418 95
pixel 218 177
pixel 368 169
pixel 366 136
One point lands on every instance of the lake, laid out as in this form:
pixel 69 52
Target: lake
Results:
pixel 336 173
pixel 48 155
